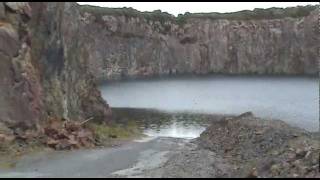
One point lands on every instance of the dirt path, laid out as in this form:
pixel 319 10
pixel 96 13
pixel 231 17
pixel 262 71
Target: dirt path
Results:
pixel 135 159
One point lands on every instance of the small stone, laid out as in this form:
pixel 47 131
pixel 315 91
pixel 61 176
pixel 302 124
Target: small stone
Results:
pixel 315 161
pixel 112 136
pixel 259 132
pixel 307 154
pixel 295 135
pixel 4 129
pixel 72 142
pixel 291 157
pixel 297 163
pixel 246 115
pixel 63 144
pixel 253 173
pixel 275 169
pixel 285 165
pixel 275 153
pixel 2 138
pixel 315 166
pixel 300 153
pixel 51 142
pixel 71 126
pixel 295 175
pixel 6 138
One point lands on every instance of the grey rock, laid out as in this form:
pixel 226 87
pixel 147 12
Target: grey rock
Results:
pixel 300 153
pixel 246 115
pixel 43 66
pixel 137 47
pixel 2 11
pixel 74 48
pixel 19 7
pixel 15 6
pixel 9 41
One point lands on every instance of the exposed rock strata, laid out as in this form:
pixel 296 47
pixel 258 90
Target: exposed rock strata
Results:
pixel 128 43
pixel 52 53
pixel 43 66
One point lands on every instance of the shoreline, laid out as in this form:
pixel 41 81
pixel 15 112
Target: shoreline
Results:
pixel 291 150
pixel 202 76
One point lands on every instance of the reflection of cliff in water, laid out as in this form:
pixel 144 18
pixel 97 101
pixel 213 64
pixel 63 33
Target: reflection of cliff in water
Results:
pixel 293 99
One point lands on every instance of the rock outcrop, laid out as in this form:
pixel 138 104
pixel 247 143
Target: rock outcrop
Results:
pixel 129 43
pixel 43 66
pixel 51 54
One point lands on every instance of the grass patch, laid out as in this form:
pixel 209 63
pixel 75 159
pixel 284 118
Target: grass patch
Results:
pixel 106 133
pixel 16 148
pixel 11 152
pixel 7 165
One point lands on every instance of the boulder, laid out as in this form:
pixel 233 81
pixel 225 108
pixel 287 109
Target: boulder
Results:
pixel 4 138
pixel 20 7
pixel 9 40
pixel 4 129
pixel 245 115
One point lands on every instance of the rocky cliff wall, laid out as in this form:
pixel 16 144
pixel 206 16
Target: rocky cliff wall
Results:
pixel 43 65
pixel 128 43
pixel 52 53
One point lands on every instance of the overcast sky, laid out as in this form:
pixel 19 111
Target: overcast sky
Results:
pixel 176 8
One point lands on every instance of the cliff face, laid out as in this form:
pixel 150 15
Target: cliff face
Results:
pixel 139 44
pixel 43 66
pixel 51 53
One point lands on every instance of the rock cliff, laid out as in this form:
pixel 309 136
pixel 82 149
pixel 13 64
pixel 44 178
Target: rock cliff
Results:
pixel 51 54
pixel 129 43
pixel 43 66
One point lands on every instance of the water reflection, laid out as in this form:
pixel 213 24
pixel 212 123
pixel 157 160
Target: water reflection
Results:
pixel 292 99
pixel 177 129
pixel 164 124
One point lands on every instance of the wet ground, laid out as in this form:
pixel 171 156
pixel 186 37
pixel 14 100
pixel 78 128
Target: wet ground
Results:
pixel 166 135
pixel 216 153
pixel 135 159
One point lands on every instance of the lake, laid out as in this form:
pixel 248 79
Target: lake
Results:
pixel 294 100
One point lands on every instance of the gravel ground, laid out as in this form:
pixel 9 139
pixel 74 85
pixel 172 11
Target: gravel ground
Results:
pixel 242 146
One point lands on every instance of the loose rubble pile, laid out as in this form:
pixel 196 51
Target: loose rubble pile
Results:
pixel 263 148
pixel 66 135
pixel 57 134
pixel 6 137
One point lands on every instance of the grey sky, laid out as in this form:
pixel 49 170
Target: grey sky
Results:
pixel 176 8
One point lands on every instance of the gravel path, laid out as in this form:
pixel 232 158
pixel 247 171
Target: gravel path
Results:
pixel 151 158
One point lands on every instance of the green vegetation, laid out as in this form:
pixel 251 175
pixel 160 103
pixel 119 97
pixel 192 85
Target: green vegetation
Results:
pixel 11 151
pixel 162 17
pixel 258 13
pixel 17 147
pixel 156 15
pixel 106 133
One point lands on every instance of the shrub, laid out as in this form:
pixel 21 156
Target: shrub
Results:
pixel 181 19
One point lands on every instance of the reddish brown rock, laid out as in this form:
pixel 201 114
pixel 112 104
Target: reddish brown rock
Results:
pixel 42 75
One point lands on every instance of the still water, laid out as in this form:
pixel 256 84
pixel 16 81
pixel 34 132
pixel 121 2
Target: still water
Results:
pixel 292 99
